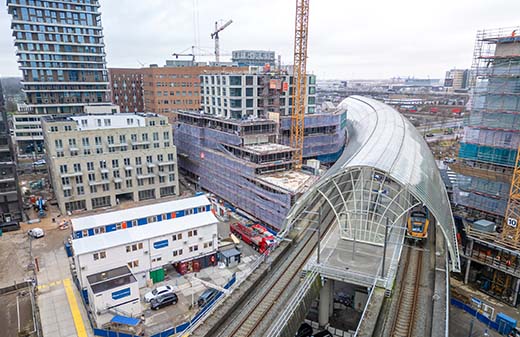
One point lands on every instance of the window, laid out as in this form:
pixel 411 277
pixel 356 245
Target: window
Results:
pixel 193 232
pixel 77 167
pixel 115 163
pixel 133 264
pixel 81 190
pixel 65 181
pixel 208 244
pixel 177 252
pixel 156 259
pixel 58 143
pixel 66 193
pixel 100 255
pixel 63 168
pixel 194 248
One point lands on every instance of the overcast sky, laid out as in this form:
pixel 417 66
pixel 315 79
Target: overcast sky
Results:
pixel 348 39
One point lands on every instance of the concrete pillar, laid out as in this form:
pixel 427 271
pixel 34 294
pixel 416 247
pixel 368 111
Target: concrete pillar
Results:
pixel 324 305
pixel 331 306
pixel 517 289
pixel 466 276
pixel 469 252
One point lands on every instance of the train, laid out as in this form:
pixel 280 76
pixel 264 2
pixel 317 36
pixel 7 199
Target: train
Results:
pixel 418 222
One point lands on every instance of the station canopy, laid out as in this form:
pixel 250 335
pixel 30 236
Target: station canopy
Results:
pixel 386 170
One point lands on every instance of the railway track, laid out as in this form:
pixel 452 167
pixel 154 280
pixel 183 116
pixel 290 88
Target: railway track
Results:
pixel 403 324
pixel 249 318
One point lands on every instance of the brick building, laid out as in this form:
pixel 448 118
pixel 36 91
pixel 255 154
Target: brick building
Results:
pixel 126 86
pixel 162 90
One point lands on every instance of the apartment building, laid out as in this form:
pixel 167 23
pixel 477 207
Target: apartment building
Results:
pixel 457 79
pixel 252 94
pixel 61 53
pixel 162 90
pixel 100 160
pixel 10 196
pixel 253 57
pixel 127 89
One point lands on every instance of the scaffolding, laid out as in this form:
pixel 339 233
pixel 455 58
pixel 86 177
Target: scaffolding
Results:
pixel 492 129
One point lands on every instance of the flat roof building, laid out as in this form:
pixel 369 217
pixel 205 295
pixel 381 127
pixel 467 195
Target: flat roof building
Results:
pixel 163 90
pixel 188 241
pixel 61 54
pixel 111 293
pixel 99 161
pixel 253 57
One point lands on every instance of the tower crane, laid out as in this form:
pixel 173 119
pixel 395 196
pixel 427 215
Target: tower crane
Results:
pixel 194 54
pixel 301 32
pixel 215 36
pixel 511 228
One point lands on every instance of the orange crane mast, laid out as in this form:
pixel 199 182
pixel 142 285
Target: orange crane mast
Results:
pixel 301 33
pixel 511 228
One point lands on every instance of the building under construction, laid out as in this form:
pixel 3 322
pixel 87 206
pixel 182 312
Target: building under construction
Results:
pixel 238 146
pixel 486 163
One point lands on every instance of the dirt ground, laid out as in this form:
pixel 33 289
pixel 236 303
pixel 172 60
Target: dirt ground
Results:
pixel 14 258
pixel 16 314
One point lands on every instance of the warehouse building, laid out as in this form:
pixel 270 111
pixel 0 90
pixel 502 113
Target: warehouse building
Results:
pixel 101 160
pixel 182 233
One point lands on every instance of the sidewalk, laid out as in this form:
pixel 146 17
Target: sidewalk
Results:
pixel 62 312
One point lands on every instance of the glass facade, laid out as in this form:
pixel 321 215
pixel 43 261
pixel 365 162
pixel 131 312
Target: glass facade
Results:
pixel 61 53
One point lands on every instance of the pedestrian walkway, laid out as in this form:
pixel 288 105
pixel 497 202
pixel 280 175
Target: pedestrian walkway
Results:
pixel 61 311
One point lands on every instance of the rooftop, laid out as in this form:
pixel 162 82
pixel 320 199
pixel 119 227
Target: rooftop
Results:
pixel 268 148
pixel 104 121
pixel 292 181
pixel 135 234
pixel 110 279
pixel 108 218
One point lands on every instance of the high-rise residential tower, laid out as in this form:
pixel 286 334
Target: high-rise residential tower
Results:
pixel 61 53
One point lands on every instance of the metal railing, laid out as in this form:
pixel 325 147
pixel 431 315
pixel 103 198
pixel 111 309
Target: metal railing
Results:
pixel 295 300
pixel 241 277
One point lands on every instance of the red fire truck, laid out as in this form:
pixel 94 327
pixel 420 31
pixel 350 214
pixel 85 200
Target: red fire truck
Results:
pixel 259 241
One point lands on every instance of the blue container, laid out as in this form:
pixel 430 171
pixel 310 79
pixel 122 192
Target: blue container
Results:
pixel 68 249
pixel 505 323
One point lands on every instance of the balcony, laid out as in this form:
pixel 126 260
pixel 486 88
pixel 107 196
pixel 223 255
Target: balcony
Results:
pixel 71 174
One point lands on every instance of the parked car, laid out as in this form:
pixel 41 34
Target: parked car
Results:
pixel 36 233
pixel 157 292
pixel 206 296
pixel 163 300
pixel 448 160
pixel 429 135
pixel 305 330
pixel 39 162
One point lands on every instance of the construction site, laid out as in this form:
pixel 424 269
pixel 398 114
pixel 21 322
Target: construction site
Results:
pixel 488 174
pixel 242 162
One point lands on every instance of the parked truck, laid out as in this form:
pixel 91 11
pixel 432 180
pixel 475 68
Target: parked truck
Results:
pixel 259 241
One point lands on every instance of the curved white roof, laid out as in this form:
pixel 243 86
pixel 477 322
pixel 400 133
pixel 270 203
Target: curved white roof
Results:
pixel 381 139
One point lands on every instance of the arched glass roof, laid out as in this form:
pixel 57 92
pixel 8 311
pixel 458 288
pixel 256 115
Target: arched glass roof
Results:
pixel 385 170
